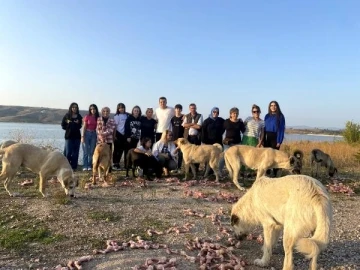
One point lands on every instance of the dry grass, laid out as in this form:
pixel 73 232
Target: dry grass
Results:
pixel 342 154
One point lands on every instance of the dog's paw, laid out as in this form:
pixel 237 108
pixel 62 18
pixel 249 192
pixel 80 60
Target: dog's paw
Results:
pixel 261 263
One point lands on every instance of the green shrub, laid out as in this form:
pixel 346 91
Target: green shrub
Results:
pixel 351 132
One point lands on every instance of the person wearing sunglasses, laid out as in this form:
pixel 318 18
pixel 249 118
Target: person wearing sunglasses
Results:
pixel 254 133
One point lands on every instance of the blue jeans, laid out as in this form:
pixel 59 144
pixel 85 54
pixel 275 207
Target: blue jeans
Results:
pixel 72 147
pixel 88 148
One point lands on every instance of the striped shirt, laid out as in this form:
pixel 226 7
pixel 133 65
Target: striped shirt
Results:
pixel 253 127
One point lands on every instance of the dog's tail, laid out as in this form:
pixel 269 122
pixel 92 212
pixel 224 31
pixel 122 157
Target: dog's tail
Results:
pixel 228 165
pixel 312 246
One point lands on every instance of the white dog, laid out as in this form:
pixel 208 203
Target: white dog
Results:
pixel 260 159
pixel 297 204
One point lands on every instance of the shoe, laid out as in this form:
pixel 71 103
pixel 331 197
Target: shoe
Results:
pixel 116 167
pixel 140 172
pixel 89 169
pixel 85 169
pixel 174 171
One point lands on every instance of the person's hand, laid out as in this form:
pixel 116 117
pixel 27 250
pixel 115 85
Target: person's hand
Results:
pixel 128 140
pixel 68 121
pixel 148 154
pixel 278 145
pixel 82 139
pixel 259 145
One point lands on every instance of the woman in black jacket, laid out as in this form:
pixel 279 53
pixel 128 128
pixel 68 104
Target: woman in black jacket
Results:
pixel 72 123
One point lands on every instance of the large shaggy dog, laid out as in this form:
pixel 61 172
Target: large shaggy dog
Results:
pixel 101 161
pixel 208 154
pixel 44 162
pixel 297 204
pixel 321 159
pixel 260 159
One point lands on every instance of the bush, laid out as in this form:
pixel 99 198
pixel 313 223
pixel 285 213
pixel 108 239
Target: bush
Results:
pixel 351 132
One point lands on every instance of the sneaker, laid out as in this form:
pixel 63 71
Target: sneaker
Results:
pixel 89 169
pixel 174 171
pixel 85 169
pixel 140 172
pixel 116 167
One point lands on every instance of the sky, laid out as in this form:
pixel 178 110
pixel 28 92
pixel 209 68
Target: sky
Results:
pixel 303 54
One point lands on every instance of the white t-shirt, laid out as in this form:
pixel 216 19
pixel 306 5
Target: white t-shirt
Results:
pixel 253 127
pixel 163 117
pixel 120 120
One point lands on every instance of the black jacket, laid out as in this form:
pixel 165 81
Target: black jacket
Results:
pixel 72 129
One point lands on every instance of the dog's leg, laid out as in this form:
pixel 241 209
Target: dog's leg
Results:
pixel 207 170
pixel 7 182
pixel 187 167
pixel 236 170
pixel 42 183
pixel 193 170
pixel 288 243
pixel 269 235
pixel 215 167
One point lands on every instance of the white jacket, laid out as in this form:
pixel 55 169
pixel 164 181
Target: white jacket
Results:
pixel 159 145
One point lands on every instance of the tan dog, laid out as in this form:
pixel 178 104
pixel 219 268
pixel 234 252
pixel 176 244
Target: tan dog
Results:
pixel 208 154
pixel 298 205
pixel 321 159
pixel 7 143
pixel 101 161
pixel 44 162
pixel 260 159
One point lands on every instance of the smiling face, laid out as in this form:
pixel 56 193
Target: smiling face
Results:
pixel 162 103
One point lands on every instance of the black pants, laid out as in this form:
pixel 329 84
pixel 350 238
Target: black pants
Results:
pixel 194 139
pixel 158 136
pixel 120 146
pixel 270 140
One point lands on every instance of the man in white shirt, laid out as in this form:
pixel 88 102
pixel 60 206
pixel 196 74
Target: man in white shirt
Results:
pixel 163 116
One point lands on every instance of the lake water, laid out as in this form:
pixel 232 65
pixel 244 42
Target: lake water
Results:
pixel 47 134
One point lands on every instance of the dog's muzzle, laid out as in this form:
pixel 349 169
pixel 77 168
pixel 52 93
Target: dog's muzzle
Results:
pixel 240 237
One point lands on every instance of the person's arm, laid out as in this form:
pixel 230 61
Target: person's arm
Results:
pixel 281 131
pixel 127 128
pixel 198 124
pixel 204 137
pixel 84 130
pixel 65 122
pixel 261 138
pixel 242 126
pixel 185 124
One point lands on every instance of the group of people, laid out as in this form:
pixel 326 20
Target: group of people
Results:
pixel 153 134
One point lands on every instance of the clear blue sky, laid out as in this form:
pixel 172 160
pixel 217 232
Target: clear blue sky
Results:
pixel 304 54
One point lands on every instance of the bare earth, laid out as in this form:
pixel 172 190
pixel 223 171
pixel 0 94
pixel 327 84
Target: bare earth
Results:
pixel 76 227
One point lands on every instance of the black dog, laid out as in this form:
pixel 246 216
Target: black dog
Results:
pixel 149 164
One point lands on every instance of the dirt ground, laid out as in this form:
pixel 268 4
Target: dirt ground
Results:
pixel 42 233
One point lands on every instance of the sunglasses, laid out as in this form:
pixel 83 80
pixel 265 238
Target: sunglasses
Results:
pixel 255 111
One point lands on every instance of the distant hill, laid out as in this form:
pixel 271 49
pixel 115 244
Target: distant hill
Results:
pixel 21 114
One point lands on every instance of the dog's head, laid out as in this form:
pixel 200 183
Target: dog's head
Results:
pixel 296 161
pixel 181 141
pixel 241 230
pixel 332 171
pixel 68 181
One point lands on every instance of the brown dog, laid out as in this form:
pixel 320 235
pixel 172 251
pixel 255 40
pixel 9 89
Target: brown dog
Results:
pixel 44 162
pixel 208 154
pixel 101 161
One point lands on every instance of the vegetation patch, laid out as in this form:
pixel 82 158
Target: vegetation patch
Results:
pixel 104 216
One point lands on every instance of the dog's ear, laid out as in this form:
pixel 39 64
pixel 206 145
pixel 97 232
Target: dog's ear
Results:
pixel 292 160
pixel 234 220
